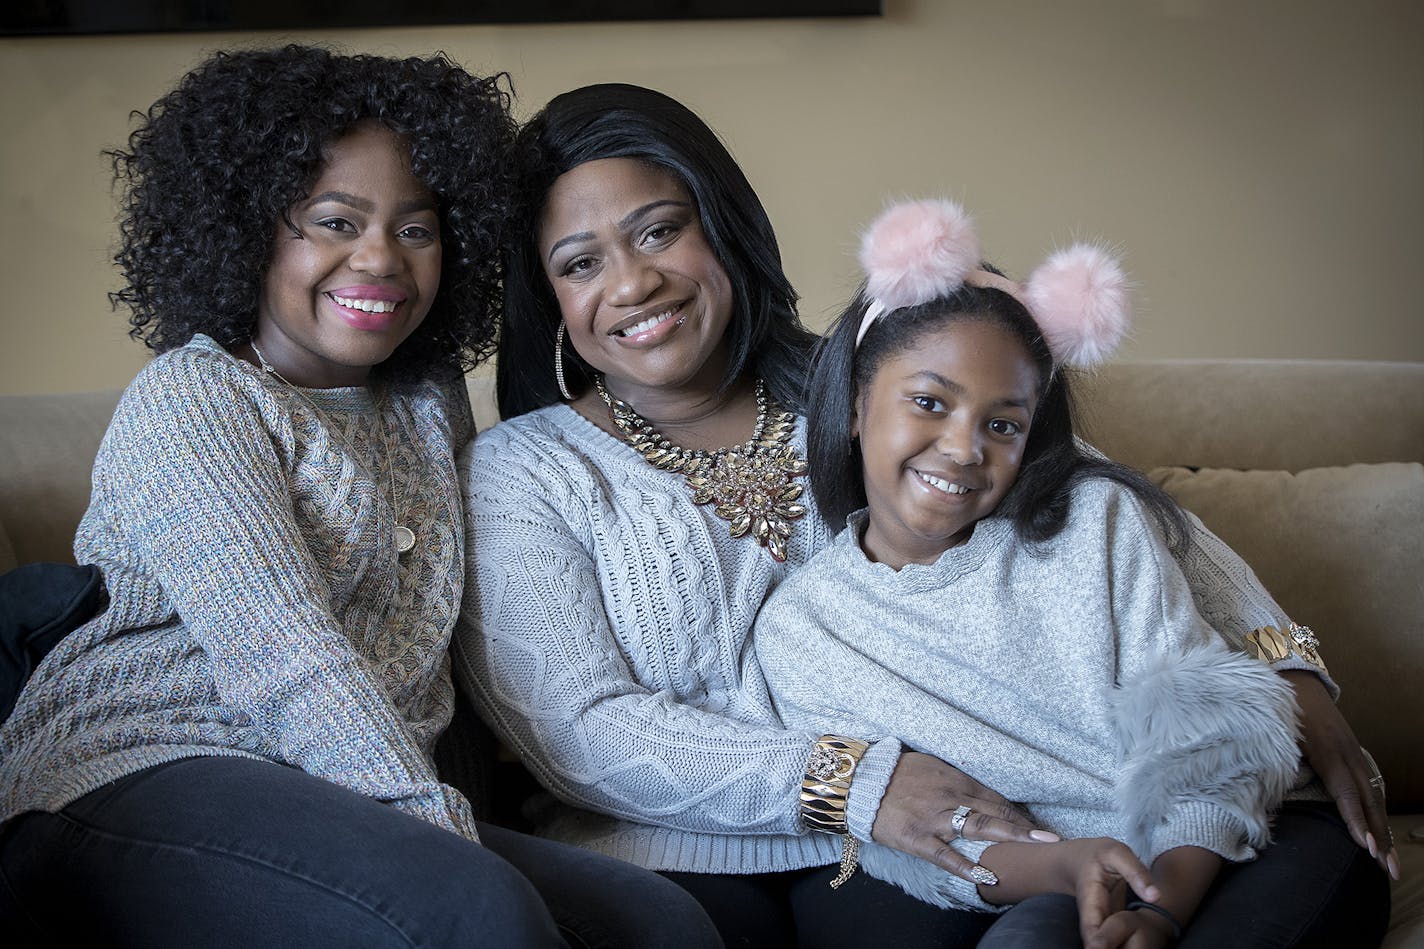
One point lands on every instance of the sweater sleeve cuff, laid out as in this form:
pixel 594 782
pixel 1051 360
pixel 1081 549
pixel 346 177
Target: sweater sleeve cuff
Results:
pixel 1294 661
pixel 965 894
pixel 1201 824
pixel 446 809
pixel 867 789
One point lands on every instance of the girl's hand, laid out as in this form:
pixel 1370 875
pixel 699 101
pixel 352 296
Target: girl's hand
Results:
pixel 919 804
pixel 1131 929
pixel 1102 871
pixel 1333 751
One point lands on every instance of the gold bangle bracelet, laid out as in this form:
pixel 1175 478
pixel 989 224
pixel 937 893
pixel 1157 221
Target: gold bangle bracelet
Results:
pixel 1270 644
pixel 826 788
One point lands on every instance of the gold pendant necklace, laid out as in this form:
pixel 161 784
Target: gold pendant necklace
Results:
pixel 403 536
pixel 751 486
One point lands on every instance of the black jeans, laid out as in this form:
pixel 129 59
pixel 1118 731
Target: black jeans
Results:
pixel 799 908
pixel 1312 887
pixel 233 852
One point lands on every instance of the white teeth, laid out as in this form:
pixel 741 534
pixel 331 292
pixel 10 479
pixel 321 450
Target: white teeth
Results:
pixel 646 325
pixel 942 484
pixel 369 306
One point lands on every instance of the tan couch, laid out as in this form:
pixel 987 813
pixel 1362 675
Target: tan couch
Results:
pixel 1313 471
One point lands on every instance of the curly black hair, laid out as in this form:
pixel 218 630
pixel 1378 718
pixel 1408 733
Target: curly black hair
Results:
pixel 217 162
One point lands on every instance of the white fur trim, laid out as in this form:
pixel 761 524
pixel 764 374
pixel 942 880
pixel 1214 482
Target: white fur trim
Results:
pixel 1207 727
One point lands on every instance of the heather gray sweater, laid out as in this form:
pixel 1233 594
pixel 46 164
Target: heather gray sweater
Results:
pixel 1010 662
pixel 605 636
pixel 257 604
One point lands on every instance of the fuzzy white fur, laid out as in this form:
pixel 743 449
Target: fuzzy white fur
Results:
pixel 918 250
pixel 1208 725
pixel 1080 298
pixel 919 878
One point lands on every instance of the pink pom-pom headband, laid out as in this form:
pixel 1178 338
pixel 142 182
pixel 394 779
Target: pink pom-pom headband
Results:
pixel 918 251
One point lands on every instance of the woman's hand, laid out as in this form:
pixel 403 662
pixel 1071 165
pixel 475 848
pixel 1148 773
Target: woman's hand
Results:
pixel 916 814
pixel 1330 745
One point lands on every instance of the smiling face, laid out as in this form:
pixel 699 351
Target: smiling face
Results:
pixel 361 270
pixel 942 428
pixel 647 302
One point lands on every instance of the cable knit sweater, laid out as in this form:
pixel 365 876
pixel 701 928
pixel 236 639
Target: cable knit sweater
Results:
pixel 605 636
pixel 257 604
pixel 1042 671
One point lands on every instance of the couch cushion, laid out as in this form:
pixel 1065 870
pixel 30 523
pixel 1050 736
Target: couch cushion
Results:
pixel 46 459
pixel 7 552
pixel 1406 918
pixel 1340 550
pixel 1254 413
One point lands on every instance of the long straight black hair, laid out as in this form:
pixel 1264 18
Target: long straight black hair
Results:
pixel 615 120
pixel 1054 459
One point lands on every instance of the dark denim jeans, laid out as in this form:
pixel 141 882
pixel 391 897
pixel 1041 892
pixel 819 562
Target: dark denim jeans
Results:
pixel 1313 887
pixel 220 851
pixel 799 908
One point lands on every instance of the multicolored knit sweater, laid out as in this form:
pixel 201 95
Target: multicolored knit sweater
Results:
pixel 258 606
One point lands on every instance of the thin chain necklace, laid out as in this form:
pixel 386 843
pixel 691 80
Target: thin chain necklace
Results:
pixel 750 485
pixel 404 537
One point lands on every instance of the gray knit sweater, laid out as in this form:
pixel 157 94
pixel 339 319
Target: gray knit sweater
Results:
pixel 605 635
pixel 1010 661
pixel 257 604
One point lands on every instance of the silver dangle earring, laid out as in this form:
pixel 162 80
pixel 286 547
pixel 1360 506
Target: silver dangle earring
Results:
pixel 559 360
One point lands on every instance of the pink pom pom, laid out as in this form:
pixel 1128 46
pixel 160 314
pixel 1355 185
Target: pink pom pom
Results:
pixel 917 251
pixel 1079 297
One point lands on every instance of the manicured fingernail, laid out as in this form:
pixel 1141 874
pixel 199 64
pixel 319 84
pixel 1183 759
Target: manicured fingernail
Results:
pixel 1047 836
pixel 1393 861
pixel 983 876
pixel 1370 846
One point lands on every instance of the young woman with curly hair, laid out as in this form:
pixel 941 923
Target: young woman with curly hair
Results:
pixel 238 750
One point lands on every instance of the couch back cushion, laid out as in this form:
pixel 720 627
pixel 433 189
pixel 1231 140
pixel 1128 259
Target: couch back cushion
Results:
pixel 1285 415
pixel 8 560
pixel 46 460
pixel 1339 548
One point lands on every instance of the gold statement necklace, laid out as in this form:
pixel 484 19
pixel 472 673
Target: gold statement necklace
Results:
pixel 751 486
pixel 403 536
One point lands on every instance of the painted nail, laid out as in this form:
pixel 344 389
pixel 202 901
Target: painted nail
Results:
pixel 1393 864
pixel 1047 836
pixel 1370 846
pixel 983 875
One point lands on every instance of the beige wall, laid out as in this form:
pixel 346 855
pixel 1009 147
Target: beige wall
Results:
pixel 1261 162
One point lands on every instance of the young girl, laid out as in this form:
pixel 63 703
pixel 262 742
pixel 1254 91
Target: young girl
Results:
pixel 1010 602
pixel 238 750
